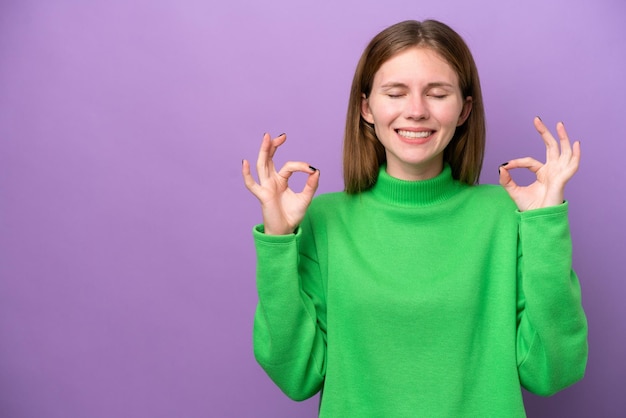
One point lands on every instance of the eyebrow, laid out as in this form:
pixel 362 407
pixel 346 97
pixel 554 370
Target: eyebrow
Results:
pixel 396 84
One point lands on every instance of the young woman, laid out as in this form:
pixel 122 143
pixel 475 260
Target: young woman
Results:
pixel 416 292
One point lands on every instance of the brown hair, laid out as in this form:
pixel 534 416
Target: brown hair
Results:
pixel 363 154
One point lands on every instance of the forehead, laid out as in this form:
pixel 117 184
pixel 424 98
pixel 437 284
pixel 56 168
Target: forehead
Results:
pixel 416 64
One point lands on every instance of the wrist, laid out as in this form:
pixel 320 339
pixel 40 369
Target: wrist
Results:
pixel 277 231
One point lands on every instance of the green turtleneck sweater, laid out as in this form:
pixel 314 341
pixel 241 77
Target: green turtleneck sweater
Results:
pixel 420 299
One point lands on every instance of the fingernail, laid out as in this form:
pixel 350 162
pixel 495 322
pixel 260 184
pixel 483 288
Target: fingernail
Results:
pixel 538 118
pixel 312 168
pixel 282 134
pixel 503 164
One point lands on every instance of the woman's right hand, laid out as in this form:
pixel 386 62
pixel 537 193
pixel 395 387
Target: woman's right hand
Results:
pixel 282 208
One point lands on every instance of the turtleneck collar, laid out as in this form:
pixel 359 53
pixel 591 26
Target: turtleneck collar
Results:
pixel 415 193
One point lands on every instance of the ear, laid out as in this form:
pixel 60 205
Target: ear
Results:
pixel 366 112
pixel 465 112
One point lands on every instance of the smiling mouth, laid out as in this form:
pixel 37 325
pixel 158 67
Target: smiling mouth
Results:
pixel 413 134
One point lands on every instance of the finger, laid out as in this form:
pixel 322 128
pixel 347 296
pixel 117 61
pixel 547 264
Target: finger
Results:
pixel 552 147
pixel 248 180
pixel 291 167
pixel 277 142
pixel 527 162
pixel 576 153
pixel 574 161
pixel 264 157
pixel 566 147
pixel 265 162
pixel 506 180
pixel 310 187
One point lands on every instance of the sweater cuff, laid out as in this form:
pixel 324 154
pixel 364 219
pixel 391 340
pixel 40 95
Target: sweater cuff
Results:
pixel 258 232
pixel 558 210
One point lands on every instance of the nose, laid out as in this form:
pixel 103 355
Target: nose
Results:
pixel 417 108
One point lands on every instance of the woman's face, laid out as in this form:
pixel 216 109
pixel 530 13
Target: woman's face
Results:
pixel 415 106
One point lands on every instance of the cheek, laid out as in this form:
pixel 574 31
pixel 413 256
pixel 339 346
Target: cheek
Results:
pixel 450 114
pixel 385 113
pixel 378 130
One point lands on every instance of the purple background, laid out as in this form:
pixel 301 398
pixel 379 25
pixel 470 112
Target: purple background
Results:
pixel 126 260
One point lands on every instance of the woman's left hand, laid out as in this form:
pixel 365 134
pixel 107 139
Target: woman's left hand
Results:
pixel 561 164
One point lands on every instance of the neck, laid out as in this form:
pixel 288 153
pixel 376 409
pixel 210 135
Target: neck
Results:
pixel 412 172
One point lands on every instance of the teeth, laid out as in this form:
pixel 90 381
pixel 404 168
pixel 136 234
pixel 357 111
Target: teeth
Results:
pixel 411 134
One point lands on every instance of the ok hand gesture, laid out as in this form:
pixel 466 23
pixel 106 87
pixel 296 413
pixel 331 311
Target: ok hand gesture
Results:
pixel 561 163
pixel 282 208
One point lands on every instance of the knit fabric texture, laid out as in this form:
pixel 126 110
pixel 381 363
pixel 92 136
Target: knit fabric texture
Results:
pixel 420 299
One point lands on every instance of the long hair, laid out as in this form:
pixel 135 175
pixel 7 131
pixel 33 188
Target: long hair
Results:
pixel 363 154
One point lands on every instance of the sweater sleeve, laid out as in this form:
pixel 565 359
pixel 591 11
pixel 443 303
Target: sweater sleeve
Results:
pixel 551 323
pixel 290 322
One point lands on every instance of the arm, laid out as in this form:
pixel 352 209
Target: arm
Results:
pixel 552 328
pixel 290 321
pixel 551 324
pixel 289 325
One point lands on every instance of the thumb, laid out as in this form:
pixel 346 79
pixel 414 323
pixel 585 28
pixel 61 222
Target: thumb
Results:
pixel 311 185
pixel 506 180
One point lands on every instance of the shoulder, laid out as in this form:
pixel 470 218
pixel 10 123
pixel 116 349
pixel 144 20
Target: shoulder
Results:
pixel 325 209
pixel 330 202
pixel 492 191
pixel 490 196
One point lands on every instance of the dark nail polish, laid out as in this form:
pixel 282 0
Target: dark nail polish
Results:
pixel 539 118
pixel 312 168
pixel 503 164
pixel 282 134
